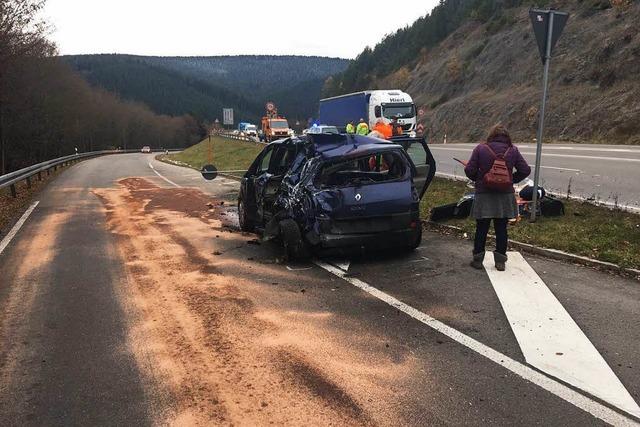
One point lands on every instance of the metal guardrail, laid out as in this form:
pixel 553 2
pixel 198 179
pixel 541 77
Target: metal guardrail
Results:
pixel 231 135
pixel 26 174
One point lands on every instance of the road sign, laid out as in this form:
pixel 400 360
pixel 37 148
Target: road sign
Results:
pixel 421 112
pixel 227 116
pixel 540 20
pixel 547 26
pixel 270 106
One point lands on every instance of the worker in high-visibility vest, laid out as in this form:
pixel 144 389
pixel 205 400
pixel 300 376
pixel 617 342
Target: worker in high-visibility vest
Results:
pixel 351 128
pixel 396 127
pixel 362 128
pixel 384 128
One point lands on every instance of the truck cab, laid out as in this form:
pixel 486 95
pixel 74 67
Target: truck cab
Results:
pixel 274 128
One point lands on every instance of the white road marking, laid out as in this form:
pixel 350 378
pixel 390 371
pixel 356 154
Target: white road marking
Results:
pixel 549 338
pixel 341 264
pixel 576 156
pixel 577 399
pixel 17 226
pixel 604 150
pixel 569 156
pixel 556 168
pixel 546 147
pixel 166 179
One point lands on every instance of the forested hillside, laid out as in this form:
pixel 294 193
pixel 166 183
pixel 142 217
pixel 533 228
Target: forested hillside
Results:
pixel 471 63
pixel 202 86
pixel 47 109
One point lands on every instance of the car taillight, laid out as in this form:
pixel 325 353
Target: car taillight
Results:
pixel 413 224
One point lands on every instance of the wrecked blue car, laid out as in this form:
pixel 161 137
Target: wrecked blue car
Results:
pixel 337 193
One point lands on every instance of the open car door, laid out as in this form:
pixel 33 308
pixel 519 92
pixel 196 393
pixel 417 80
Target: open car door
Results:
pixel 422 159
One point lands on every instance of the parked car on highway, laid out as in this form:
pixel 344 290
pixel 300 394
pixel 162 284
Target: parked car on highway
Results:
pixel 145 149
pixel 316 129
pixel 335 193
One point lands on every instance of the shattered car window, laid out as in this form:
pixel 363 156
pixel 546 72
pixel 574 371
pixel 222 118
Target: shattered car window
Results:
pixel 374 168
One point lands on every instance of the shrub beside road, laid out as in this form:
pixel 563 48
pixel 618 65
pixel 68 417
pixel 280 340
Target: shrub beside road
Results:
pixel 593 231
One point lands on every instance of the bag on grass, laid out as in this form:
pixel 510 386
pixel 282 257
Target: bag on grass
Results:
pixel 440 213
pixel 499 177
pixel 550 206
pixel 463 207
pixel 527 193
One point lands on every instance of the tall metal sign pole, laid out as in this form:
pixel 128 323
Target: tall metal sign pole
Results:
pixel 547 26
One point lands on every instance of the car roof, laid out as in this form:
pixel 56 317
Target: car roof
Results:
pixel 341 145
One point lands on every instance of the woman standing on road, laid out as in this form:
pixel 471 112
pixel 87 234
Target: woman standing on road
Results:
pixel 491 168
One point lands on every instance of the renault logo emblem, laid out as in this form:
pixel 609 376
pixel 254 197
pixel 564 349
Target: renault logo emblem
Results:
pixel 358 197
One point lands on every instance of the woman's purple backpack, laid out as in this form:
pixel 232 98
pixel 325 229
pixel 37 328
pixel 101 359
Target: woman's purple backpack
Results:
pixel 499 177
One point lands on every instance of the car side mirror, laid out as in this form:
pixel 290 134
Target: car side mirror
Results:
pixel 377 111
pixel 209 172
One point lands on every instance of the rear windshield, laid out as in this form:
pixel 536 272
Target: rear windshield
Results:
pixel 370 169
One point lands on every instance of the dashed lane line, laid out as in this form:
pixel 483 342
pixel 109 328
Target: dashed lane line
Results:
pixel 548 336
pixel 17 226
pixel 163 177
pixel 560 390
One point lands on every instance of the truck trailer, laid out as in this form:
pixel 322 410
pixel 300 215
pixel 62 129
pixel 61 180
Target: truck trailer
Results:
pixel 371 106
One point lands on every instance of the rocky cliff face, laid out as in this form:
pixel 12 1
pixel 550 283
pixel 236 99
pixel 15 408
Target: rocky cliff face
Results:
pixel 489 72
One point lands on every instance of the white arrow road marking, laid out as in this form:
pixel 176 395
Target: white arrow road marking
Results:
pixel 549 338
pixel 166 179
pixel 579 400
pixel 17 226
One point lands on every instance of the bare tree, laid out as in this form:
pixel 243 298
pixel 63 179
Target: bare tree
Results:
pixel 22 34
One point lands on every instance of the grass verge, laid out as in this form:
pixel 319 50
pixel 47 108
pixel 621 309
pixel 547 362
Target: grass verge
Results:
pixel 225 154
pixel 585 229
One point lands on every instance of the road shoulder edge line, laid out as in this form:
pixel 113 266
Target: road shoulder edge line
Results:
pixel 17 226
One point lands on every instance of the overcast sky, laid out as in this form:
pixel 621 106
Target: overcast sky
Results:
pixel 228 27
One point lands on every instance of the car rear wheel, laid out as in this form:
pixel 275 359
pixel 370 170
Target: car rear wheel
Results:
pixel 417 238
pixel 245 223
pixel 295 248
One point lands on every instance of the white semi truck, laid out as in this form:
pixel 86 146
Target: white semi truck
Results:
pixel 371 105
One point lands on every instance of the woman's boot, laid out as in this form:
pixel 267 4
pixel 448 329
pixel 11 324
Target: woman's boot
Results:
pixel 500 260
pixel 477 260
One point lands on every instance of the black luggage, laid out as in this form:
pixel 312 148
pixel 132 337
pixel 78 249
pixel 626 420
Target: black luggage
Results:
pixel 550 206
pixel 463 207
pixel 444 212
pixel 527 193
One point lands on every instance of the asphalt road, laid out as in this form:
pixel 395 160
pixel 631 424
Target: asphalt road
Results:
pixel 607 173
pixel 129 298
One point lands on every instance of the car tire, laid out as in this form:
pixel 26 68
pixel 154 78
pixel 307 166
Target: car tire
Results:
pixel 417 238
pixel 245 223
pixel 295 248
